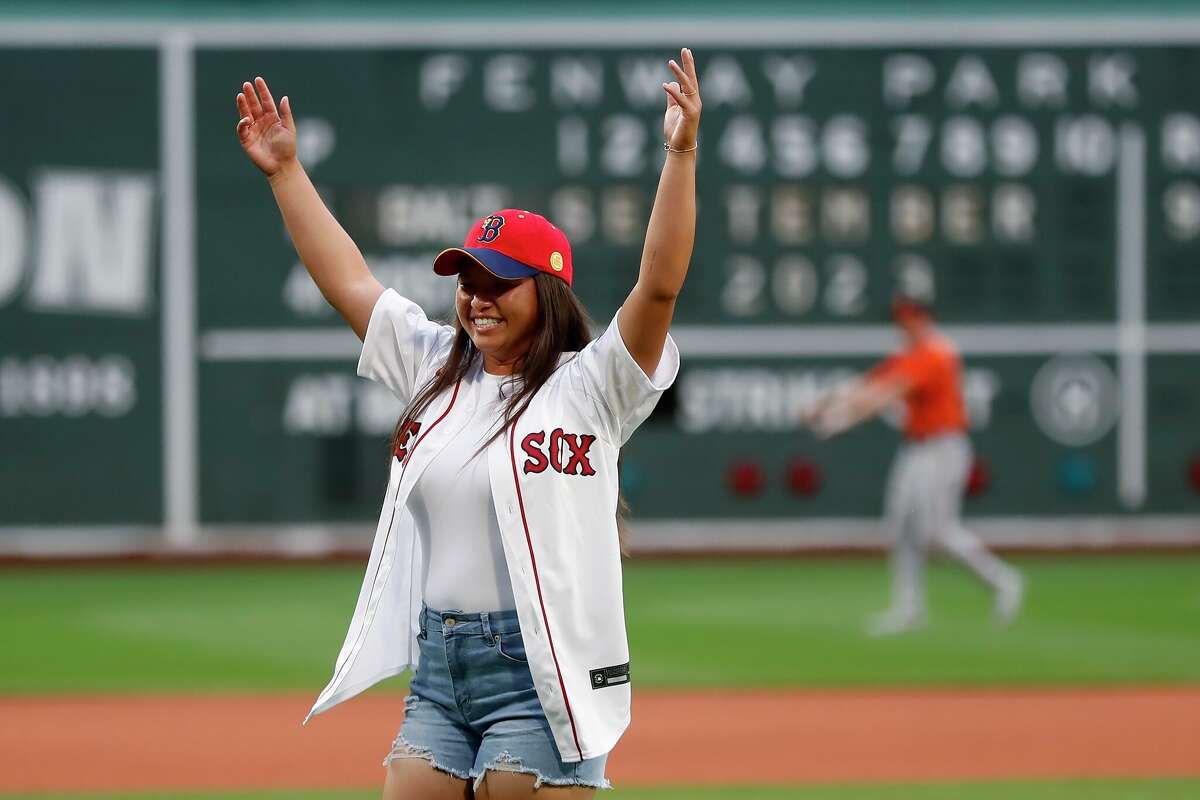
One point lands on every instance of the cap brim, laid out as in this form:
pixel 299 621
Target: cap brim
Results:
pixel 450 261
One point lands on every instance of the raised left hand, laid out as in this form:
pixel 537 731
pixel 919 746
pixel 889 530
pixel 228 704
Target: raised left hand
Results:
pixel 267 134
pixel 682 120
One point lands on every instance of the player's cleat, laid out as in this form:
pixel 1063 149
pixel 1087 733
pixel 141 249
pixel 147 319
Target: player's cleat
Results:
pixel 895 621
pixel 1009 598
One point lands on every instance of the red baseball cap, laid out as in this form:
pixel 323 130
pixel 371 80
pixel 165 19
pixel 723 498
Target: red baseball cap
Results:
pixel 511 244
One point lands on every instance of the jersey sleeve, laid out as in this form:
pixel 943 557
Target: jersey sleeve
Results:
pixel 914 366
pixel 884 369
pixel 621 393
pixel 401 345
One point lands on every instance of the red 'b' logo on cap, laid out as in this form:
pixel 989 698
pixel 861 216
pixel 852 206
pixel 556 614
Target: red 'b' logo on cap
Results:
pixel 491 229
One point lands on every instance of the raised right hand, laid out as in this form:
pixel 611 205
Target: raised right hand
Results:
pixel 267 134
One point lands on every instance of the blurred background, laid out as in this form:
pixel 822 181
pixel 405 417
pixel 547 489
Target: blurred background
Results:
pixel 190 469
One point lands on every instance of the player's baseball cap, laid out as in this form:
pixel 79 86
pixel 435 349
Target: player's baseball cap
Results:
pixel 511 244
pixel 907 303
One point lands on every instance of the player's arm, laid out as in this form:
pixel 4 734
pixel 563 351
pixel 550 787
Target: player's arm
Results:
pixel 646 315
pixel 864 400
pixel 268 136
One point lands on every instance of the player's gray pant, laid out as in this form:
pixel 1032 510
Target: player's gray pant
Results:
pixel 923 508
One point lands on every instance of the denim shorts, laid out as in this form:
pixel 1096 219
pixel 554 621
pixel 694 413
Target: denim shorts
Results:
pixel 472 706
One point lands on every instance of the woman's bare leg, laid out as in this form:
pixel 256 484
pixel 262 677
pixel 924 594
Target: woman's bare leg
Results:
pixel 416 779
pixel 500 785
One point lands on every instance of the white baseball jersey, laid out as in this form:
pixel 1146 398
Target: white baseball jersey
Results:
pixel 554 484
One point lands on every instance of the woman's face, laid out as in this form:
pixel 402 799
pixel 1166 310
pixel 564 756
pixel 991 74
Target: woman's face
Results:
pixel 500 316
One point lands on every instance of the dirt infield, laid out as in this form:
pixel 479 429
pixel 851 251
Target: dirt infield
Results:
pixel 729 737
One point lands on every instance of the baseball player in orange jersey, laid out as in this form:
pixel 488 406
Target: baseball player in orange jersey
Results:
pixel 922 506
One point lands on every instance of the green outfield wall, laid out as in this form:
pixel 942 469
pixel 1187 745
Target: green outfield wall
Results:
pixel 167 368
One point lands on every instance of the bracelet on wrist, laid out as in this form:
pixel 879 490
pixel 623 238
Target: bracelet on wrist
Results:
pixel 669 149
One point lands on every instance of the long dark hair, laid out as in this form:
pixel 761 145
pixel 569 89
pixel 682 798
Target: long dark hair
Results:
pixel 564 326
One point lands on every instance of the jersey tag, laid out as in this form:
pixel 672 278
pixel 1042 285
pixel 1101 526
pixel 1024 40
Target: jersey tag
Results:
pixel 610 676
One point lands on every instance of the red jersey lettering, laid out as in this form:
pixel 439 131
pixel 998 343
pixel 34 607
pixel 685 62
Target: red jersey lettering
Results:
pixel 579 464
pixel 407 432
pixel 556 443
pixel 572 447
pixel 537 461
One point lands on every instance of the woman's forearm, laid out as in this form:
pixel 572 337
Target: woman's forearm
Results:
pixel 671 231
pixel 870 398
pixel 330 255
pixel 646 315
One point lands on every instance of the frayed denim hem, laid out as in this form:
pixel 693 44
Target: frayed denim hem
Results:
pixel 507 762
pixel 402 748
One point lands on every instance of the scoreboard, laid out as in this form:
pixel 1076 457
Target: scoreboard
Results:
pixel 166 362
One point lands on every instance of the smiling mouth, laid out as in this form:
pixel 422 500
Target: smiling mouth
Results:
pixel 486 323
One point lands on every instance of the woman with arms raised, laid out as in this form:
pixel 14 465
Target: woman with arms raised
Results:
pixel 495 570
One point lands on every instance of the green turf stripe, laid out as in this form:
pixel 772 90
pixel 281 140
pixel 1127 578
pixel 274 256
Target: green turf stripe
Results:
pixel 785 622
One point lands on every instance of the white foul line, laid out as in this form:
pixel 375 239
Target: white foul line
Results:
pixel 176 125
pixel 962 30
pixel 1181 338
pixel 279 344
pixel 752 342
pixel 871 340
pixel 314 539
pixel 1131 316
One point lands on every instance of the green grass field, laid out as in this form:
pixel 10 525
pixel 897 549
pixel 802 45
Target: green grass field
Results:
pixel 782 622
pixel 787 622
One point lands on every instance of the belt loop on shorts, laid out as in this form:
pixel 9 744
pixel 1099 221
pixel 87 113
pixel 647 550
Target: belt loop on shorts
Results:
pixel 487 628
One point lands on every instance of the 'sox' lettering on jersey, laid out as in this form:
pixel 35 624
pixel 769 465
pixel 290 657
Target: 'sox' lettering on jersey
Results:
pixel 407 432
pixel 537 461
pixel 579 444
pixel 577 463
